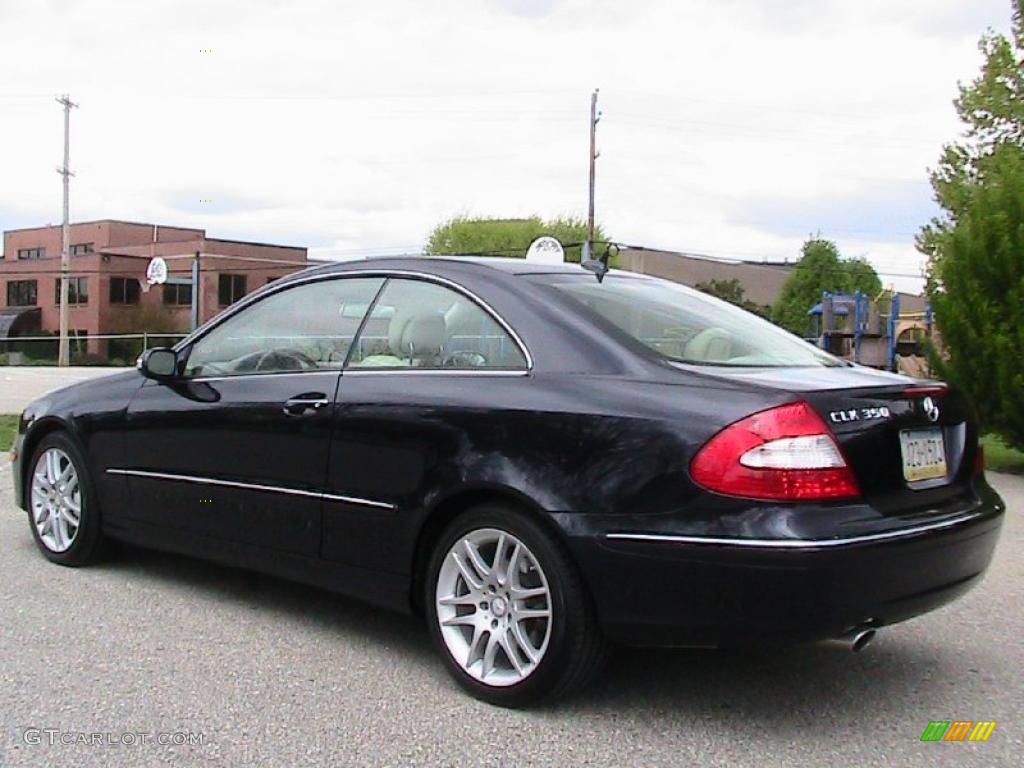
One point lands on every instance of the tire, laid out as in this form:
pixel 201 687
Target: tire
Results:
pixel 554 656
pixel 70 545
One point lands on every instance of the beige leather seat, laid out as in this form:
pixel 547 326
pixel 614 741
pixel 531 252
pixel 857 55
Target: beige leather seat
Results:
pixel 414 339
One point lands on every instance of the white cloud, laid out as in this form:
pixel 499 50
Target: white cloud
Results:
pixel 355 126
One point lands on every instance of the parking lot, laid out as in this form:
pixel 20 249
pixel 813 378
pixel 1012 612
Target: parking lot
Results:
pixel 151 648
pixel 20 385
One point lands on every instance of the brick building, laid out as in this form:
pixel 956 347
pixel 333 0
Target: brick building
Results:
pixel 107 290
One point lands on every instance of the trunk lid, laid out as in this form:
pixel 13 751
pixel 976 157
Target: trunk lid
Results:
pixel 895 432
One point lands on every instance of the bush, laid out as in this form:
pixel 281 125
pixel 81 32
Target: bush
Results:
pixel 87 358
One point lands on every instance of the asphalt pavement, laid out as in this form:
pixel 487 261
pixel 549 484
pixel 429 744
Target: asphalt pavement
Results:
pixel 150 659
pixel 20 385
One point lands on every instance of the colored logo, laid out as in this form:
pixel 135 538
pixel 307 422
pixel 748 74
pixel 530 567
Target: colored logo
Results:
pixel 958 730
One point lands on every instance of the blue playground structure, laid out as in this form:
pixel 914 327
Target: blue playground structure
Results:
pixel 867 332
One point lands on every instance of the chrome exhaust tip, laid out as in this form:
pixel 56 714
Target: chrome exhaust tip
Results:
pixel 859 639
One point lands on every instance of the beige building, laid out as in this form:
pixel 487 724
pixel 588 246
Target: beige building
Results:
pixel 762 282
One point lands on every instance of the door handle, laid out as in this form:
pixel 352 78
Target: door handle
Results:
pixel 307 403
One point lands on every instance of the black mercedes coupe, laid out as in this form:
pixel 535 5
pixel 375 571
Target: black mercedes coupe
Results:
pixel 540 462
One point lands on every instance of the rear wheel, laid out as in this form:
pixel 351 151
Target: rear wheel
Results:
pixel 62 508
pixel 508 610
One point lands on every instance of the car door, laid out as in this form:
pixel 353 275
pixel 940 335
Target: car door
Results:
pixel 412 384
pixel 235 448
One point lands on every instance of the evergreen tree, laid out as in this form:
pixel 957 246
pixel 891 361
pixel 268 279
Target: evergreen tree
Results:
pixel 976 248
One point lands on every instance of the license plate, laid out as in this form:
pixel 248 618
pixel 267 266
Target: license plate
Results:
pixel 924 454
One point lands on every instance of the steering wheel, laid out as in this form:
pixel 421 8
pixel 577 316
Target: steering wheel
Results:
pixel 464 360
pixel 276 360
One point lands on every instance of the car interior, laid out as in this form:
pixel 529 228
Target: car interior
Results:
pixel 425 326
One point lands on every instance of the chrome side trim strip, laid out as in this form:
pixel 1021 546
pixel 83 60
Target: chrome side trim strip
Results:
pixel 371 372
pixel 730 541
pixel 356 500
pixel 263 375
pixel 250 486
pixel 433 372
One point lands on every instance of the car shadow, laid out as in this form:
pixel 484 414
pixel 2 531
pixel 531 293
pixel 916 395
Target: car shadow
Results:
pixel 349 618
pixel 785 689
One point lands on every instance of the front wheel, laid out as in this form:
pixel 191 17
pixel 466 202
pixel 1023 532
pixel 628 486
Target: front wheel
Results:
pixel 508 610
pixel 62 505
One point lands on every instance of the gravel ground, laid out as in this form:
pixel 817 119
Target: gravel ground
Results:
pixel 265 672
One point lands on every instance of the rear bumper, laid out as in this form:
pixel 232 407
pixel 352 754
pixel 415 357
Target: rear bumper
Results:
pixel 663 589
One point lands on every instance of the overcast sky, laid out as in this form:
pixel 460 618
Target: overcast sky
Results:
pixel 731 127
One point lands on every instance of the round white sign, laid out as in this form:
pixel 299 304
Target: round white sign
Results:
pixel 156 272
pixel 546 250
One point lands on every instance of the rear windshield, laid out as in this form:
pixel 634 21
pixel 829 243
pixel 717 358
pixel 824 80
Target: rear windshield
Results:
pixel 688 326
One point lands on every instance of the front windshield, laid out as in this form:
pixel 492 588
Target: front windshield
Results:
pixel 688 326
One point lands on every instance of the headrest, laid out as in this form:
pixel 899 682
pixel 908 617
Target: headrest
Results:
pixel 710 345
pixel 462 318
pixel 417 335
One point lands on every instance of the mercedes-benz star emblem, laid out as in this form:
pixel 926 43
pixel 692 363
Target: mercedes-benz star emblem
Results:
pixel 930 408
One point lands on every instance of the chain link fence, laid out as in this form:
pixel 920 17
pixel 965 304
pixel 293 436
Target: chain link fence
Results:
pixel 106 349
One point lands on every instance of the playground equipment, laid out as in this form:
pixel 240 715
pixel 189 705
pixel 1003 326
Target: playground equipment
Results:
pixel 873 332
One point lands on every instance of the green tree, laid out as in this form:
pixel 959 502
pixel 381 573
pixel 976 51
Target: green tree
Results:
pixel 976 247
pixel 978 297
pixel 506 237
pixel 732 291
pixel 820 269
pixel 992 108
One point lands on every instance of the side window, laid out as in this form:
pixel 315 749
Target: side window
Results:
pixel 306 328
pixel 419 324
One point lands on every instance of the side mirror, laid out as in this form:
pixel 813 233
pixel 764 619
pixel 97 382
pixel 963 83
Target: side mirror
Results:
pixel 159 363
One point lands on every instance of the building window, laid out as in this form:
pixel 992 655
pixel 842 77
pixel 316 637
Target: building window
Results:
pixel 78 290
pixel 31 253
pixel 230 288
pixel 22 293
pixel 79 249
pixel 178 294
pixel 124 290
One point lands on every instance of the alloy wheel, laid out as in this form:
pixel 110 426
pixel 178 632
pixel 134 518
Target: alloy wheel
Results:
pixel 494 607
pixel 56 500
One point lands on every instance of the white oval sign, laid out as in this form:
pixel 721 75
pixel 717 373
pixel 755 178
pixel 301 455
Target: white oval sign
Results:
pixel 156 272
pixel 546 250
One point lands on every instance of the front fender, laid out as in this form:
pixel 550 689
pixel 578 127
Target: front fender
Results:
pixel 33 426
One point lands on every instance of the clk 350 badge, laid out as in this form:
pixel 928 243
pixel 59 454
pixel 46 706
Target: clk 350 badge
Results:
pixel 858 414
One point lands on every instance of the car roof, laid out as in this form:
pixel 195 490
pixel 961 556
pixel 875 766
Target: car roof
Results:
pixel 556 340
pixel 508 265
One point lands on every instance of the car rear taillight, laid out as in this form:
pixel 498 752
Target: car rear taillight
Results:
pixel 785 453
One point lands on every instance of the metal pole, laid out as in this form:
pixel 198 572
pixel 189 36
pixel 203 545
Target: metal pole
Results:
pixel 195 291
pixel 894 316
pixel 65 250
pixel 594 118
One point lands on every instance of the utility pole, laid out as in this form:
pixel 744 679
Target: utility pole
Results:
pixel 595 118
pixel 65 249
pixel 195 291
